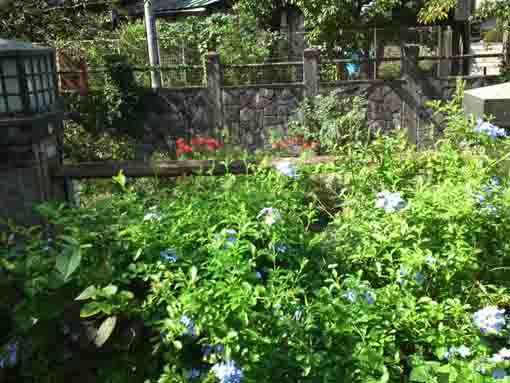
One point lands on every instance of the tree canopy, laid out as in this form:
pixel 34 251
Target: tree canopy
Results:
pixel 52 20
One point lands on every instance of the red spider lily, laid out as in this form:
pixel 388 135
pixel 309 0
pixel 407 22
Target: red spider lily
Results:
pixel 198 141
pixel 182 147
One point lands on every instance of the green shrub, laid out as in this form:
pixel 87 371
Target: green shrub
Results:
pixel 392 285
pixel 493 36
pixel 332 121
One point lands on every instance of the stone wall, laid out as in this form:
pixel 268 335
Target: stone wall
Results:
pixel 384 106
pixel 186 111
pixel 447 86
pixel 251 113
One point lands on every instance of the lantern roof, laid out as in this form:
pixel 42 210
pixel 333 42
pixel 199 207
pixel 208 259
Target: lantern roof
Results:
pixel 13 46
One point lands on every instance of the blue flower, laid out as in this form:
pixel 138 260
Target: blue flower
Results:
pixel 503 354
pixel 190 326
pixel 498 373
pixel 418 277
pixel 462 351
pixel 402 273
pixel 270 214
pixel 286 168
pixel 430 259
pixel 258 274
pixel 152 217
pixel 297 314
pixel 229 236
pixel 281 247
pixel 350 295
pixel 369 297
pixel 209 349
pixel 490 319
pixel 192 373
pixel 10 351
pixel 227 372
pixel 169 255
pixel 480 198
pixel 390 202
pixel 495 181
pixel 489 129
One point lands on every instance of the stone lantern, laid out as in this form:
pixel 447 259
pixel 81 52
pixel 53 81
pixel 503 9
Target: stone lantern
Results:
pixel 30 126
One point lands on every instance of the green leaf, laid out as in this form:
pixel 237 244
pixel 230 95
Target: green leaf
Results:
pixel 193 272
pixel 177 344
pixel 125 295
pixel 110 290
pixel 105 331
pixel 120 179
pixel 67 263
pixel 91 309
pixel 89 293
pixel 420 374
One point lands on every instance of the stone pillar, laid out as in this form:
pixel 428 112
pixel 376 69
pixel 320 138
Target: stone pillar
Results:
pixel 311 72
pixel 506 49
pixel 29 150
pixel 214 92
pixel 445 66
pixel 411 108
pixel 286 45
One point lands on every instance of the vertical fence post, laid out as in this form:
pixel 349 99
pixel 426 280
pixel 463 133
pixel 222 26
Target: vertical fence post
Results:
pixel 376 50
pixel 152 43
pixel 506 48
pixel 445 66
pixel 412 108
pixel 311 72
pixel 214 91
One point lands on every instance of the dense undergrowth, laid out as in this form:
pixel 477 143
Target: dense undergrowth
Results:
pixel 398 274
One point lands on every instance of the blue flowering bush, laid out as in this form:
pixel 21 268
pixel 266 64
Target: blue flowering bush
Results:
pixel 254 279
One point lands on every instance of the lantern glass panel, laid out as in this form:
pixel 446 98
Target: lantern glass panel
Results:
pixel 52 79
pixel 9 67
pixel 3 107
pixel 41 102
pixel 28 67
pixel 45 81
pixel 37 83
pixel 33 102
pixel 15 104
pixel 30 84
pixel 12 85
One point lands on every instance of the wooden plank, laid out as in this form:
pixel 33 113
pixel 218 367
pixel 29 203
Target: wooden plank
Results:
pixel 108 169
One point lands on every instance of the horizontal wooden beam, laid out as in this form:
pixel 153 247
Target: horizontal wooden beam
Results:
pixel 108 169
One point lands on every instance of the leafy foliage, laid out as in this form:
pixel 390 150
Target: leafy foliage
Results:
pixel 46 21
pixel 255 270
pixel 332 121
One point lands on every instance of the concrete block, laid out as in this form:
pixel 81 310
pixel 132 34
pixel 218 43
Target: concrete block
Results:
pixel 493 100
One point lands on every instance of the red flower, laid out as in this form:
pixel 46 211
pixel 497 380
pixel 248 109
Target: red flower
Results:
pixel 211 141
pixel 198 141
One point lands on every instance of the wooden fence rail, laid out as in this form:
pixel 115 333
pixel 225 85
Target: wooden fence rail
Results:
pixel 109 169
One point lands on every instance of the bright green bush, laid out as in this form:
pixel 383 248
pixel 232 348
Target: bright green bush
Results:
pixel 161 286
